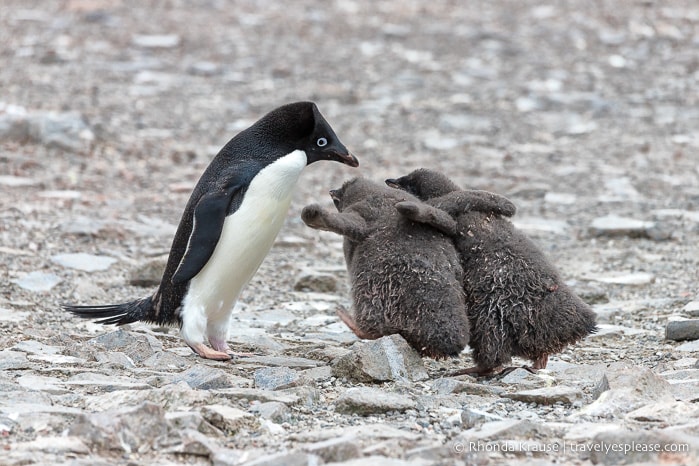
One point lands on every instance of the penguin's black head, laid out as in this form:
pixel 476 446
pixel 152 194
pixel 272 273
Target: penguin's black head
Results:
pixel 423 183
pixel 302 127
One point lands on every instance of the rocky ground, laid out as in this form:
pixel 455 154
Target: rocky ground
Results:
pixel 583 113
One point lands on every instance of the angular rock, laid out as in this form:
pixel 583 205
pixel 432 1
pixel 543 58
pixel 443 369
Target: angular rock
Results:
pixel 227 418
pixel 50 385
pixel 191 420
pixel 276 378
pixel 685 329
pixel 319 282
pixel 84 262
pixel 96 382
pixel 36 347
pixel 149 273
pixel 523 378
pixel 336 450
pixel 471 417
pixel 37 281
pixel 548 395
pixel 366 401
pixel 274 411
pixel 665 413
pixel 131 430
pixel 10 315
pixel 56 445
pixel 67 131
pixel 115 358
pixel 195 443
pixel 205 378
pixel 388 358
pixel 624 388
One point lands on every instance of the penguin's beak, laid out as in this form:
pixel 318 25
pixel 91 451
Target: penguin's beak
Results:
pixel 344 156
pixel 393 183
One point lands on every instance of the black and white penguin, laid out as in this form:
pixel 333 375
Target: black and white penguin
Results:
pixel 228 227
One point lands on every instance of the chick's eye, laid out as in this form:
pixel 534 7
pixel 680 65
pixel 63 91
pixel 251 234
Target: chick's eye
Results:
pixel 322 142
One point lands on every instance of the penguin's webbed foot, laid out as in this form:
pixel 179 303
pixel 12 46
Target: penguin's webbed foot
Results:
pixel 208 353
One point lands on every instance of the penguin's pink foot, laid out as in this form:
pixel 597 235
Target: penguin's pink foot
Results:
pixel 207 353
pixel 221 345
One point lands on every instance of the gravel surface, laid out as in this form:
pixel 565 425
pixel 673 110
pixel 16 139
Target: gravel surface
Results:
pixel 583 113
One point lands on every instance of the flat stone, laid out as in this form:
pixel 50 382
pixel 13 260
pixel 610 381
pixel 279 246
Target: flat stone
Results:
pixel 365 401
pixel 388 358
pixel 588 430
pixel 254 394
pixel 17 181
pixel 149 273
pixel 84 262
pixel 36 347
pixel 542 225
pixel 632 279
pixel 285 458
pixel 506 429
pixel 607 331
pixel 276 378
pixel 452 386
pixel 548 395
pixel 335 450
pixel 665 413
pixel 173 396
pixel 689 347
pixel 13 360
pixel 310 280
pixel 691 309
pixel 37 281
pixel 130 430
pixel 136 346
pixel 97 382
pixel 298 363
pixel 57 359
pixel 227 418
pixel 55 445
pixel 51 385
pixel 205 378
pixel 195 443
pixel 613 225
pixel 156 41
pixel 685 329
pixel 10 315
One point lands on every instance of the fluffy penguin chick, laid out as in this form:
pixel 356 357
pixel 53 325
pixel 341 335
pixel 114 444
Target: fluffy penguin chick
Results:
pixel 405 276
pixel 518 305
pixel 228 226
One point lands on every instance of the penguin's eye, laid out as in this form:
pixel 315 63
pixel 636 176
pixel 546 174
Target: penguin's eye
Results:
pixel 322 142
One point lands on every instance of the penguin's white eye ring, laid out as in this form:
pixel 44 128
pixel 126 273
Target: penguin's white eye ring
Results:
pixel 322 142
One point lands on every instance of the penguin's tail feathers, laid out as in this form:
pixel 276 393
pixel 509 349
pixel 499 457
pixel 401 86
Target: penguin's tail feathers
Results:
pixel 119 314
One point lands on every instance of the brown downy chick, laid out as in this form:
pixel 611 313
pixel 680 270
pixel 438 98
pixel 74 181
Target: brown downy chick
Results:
pixel 518 305
pixel 405 276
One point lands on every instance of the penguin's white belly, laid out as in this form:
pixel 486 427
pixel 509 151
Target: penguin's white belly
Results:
pixel 246 238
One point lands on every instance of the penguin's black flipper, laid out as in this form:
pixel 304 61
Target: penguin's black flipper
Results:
pixel 209 215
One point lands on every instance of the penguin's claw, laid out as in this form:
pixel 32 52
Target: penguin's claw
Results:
pixel 478 372
pixel 207 353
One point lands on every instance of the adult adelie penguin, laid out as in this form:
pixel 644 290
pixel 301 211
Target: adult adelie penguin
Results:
pixel 228 226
